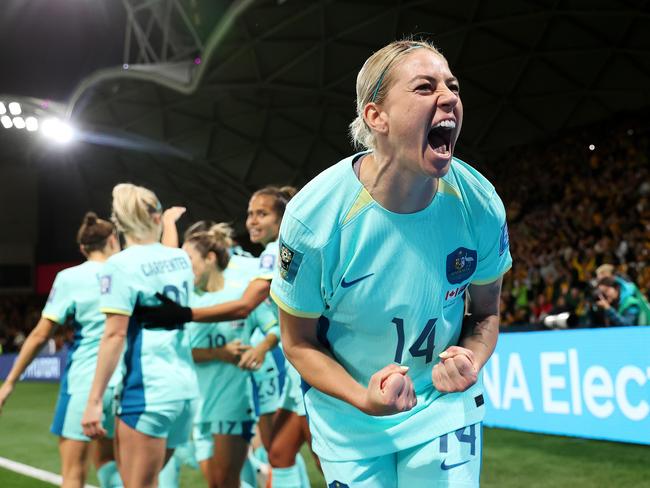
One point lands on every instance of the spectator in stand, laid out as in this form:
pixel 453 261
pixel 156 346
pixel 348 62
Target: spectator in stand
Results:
pixel 540 309
pixel 628 311
pixel 565 223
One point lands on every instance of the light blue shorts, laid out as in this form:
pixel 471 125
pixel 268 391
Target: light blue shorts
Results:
pixel 169 420
pixel 203 435
pixel 267 383
pixel 70 410
pixel 450 461
pixel 292 398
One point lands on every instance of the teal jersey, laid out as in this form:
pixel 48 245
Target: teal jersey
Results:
pixel 224 390
pixel 388 288
pixel 267 264
pixel 268 260
pixel 241 270
pixel 75 295
pixel 159 366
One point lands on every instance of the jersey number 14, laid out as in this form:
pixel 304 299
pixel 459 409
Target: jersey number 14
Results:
pixel 423 345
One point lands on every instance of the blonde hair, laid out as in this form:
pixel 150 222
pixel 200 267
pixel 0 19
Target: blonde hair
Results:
pixel 375 79
pixel 133 210
pixel 217 239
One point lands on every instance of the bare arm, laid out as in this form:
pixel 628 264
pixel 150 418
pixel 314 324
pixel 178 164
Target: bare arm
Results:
pixel 35 341
pixel 459 365
pixel 170 233
pixel 481 326
pixel 256 292
pixel 110 349
pixel 319 368
pixel 230 353
pixel 254 357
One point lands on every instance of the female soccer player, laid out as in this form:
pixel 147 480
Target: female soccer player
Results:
pixel 156 406
pixel 378 254
pixel 75 294
pixel 284 433
pixel 225 420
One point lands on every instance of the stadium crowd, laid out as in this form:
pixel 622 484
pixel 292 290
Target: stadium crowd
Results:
pixel 18 315
pixel 574 205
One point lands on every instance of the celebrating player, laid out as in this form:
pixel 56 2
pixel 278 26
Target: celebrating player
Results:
pixel 378 254
pixel 225 419
pixel 75 295
pixel 156 407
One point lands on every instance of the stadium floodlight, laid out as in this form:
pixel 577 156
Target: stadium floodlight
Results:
pixel 57 130
pixel 591 147
pixel 14 108
pixel 6 122
pixel 3 109
pixel 31 123
pixel 19 122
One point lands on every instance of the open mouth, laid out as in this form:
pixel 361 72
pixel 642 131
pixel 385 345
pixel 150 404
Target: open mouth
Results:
pixel 440 137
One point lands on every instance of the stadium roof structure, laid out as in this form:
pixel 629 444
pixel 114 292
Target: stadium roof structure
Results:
pixel 217 98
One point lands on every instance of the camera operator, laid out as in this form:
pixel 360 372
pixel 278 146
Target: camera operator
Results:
pixel 617 310
pixel 627 287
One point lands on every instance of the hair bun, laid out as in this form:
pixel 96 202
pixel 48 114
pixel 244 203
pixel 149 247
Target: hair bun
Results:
pixel 288 192
pixel 90 219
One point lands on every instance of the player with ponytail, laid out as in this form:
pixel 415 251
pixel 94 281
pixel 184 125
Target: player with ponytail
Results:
pixel 75 296
pixel 157 402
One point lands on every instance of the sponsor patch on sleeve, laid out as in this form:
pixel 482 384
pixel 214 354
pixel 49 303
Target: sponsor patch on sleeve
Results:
pixel 504 242
pixel 105 284
pixel 290 260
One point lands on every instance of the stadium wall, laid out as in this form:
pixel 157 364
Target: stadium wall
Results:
pixel 44 368
pixel 592 383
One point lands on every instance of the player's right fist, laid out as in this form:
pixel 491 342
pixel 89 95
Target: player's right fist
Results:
pixel 390 391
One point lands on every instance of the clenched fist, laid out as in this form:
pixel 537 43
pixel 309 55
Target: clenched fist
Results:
pixel 456 370
pixel 390 391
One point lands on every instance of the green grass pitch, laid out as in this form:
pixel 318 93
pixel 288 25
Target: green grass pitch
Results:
pixel 510 459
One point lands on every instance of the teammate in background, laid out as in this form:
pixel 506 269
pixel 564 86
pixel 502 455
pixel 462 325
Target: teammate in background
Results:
pixel 267 378
pixel 75 294
pixel 289 428
pixel 378 254
pixel 156 406
pixel 225 420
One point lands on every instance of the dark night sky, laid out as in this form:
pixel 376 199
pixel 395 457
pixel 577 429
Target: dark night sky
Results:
pixel 48 46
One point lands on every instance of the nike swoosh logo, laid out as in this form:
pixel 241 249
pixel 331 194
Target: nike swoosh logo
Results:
pixel 348 284
pixel 447 467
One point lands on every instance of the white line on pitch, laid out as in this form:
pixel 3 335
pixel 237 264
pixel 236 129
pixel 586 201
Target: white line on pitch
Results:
pixel 39 474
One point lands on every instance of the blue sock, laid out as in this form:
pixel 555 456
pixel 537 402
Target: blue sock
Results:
pixel 169 476
pixel 302 467
pixel 109 476
pixel 286 477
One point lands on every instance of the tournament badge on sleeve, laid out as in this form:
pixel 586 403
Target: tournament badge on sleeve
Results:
pixel 290 260
pixel 105 284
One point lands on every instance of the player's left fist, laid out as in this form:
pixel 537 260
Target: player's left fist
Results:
pixel 456 370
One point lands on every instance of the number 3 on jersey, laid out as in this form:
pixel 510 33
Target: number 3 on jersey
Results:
pixel 423 345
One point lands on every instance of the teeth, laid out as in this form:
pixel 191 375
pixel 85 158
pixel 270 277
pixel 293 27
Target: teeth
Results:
pixel 445 124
